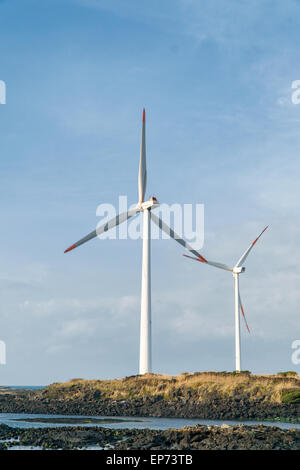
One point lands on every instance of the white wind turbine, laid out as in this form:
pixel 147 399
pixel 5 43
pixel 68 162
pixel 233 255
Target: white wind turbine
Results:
pixel 145 207
pixel 236 271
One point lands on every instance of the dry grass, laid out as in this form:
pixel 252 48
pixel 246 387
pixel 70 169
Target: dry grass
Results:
pixel 199 386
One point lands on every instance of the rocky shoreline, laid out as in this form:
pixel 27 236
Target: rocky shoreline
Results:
pixel 88 401
pixel 24 401
pixel 191 438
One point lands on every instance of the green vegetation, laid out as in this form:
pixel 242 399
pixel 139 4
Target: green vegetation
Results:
pixel 289 373
pixel 290 396
pixel 198 386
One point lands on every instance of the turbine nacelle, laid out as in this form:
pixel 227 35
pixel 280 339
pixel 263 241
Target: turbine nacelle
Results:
pixel 153 202
pixel 238 270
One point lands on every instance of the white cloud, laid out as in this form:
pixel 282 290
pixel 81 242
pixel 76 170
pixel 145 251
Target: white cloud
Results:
pixel 76 328
pixel 229 22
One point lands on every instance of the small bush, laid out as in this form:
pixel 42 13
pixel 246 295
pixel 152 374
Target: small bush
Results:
pixel 290 396
pixel 244 372
pixel 288 373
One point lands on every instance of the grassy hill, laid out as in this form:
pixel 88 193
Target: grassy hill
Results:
pixel 198 386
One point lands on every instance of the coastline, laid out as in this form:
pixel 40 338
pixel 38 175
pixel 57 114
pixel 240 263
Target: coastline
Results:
pixel 205 396
pixel 199 437
pixel 212 396
pixel 229 409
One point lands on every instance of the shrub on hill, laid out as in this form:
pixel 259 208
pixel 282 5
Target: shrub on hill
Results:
pixel 288 373
pixel 290 396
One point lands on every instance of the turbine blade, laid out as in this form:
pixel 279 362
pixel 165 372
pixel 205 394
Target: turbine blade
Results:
pixel 244 255
pixel 143 168
pixel 243 313
pixel 119 219
pixel 210 263
pixel 169 231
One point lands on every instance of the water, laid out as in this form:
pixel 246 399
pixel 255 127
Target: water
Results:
pixel 129 422
pixel 24 387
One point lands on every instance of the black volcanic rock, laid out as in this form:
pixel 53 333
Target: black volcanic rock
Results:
pixel 191 438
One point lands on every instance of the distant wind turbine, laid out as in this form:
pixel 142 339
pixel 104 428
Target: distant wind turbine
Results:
pixel 236 271
pixel 146 207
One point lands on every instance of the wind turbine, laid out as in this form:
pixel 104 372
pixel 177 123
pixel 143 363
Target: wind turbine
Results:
pixel 236 271
pixel 146 207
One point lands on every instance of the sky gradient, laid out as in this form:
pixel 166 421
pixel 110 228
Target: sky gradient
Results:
pixel 215 78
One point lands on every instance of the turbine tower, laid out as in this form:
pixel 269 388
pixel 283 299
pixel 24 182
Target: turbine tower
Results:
pixel 145 323
pixel 236 271
pixel 146 207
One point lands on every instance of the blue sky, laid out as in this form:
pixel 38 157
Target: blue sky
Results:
pixel 215 78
